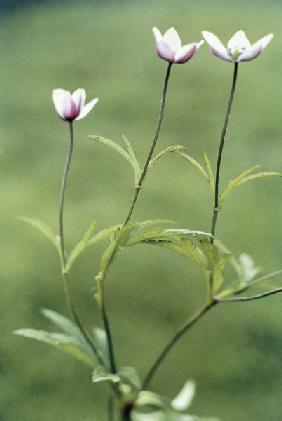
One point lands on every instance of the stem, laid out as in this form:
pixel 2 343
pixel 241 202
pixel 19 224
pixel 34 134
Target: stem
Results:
pixel 180 332
pixel 220 150
pixel 130 211
pixel 63 253
pixel 252 297
pixel 151 151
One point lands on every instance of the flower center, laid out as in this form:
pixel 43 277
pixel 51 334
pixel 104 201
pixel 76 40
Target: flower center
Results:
pixel 236 51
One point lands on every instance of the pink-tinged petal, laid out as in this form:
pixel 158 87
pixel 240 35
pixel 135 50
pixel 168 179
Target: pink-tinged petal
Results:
pixel 164 51
pixel 157 34
pixel 252 53
pixel 199 44
pixel 78 97
pixel 216 46
pixel 87 108
pixel 219 54
pixel 185 53
pixel 171 38
pixel 58 96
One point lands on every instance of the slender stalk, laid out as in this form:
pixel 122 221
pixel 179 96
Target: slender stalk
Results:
pixel 151 151
pixel 220 150
pixel 131 208
pixel 111 408
pixel 63 252
pixel 251 297
pixel 180 332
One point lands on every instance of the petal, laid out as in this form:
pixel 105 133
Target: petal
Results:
pixel 184 399
pixel 199 44
pixel 171 38
pixel 256 49
pixel 239 41
pixel 78 97
pixel 58 96
pixel 164 51
pixel 185 53
pixel 157 34
pixel 217 48
pixel 87 108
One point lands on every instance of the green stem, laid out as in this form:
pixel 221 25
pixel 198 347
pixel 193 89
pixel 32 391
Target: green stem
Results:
pixel 130 211
pixel 251 297
pixel 151 151
pixel 69 301
pixel 220 150
pixel 176 337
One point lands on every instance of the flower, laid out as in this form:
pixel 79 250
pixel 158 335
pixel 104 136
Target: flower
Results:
pixel 238 48
pixel 169 47
pixel 72 106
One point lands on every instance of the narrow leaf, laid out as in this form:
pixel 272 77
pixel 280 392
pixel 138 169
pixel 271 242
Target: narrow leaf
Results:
pixel 44 229
pixel 133 160
pixel 101 375
pixel 104 234
pixel 81 246
pixel 166 151
pixel 209 172
pixel 61 341
pixel 194 163
pixel 244 179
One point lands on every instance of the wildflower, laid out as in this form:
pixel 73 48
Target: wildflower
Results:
pixel 72 106
pixel 238 48
pixel 169 47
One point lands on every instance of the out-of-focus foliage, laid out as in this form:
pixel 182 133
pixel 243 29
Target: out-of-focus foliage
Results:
pixel 234 355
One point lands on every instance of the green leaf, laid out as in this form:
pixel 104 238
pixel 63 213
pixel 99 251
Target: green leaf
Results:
pixel 61 341
pixel 195 164
pixel 104 234
pixel 81 246
pixel 130 377
pixel 209 172
pixel 100 340
pixel 166 151
pixel 128 156
pixel 133 160
pixel 101 375
pixel 218 272
pixel 44 229
pixel 244 178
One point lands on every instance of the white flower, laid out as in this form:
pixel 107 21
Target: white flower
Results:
pixel 72 106
pixel 169 47
pixel 238 48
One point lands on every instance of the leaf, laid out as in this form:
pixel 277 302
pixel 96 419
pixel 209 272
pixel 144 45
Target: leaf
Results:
pixel 81 246
pixel 102 235
pixel 194 163
pixel 61 341
pixel 101 375
pixel 133 160
pixel 209 172
pixel 44 229
pixel 184 398
pixel 100 340
pixel 218 275
pixel 129 376
pixel 166 151
pixel 244 178
pixel 128 156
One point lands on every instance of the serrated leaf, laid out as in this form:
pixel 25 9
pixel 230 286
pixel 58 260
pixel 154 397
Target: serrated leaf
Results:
pixel 195 164
pixel 244 178
pixel 101 375
pixel 44 229
pixel 209 172
pixel 166 151
pixel 81 246
pixel 61 341
pixel 133 160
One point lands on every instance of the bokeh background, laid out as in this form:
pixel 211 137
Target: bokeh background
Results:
pixel 107 47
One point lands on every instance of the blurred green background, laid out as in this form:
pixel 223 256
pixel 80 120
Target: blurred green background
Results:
pixel 234 354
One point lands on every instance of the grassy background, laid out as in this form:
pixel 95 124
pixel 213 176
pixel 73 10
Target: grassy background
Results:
pixel 234 355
